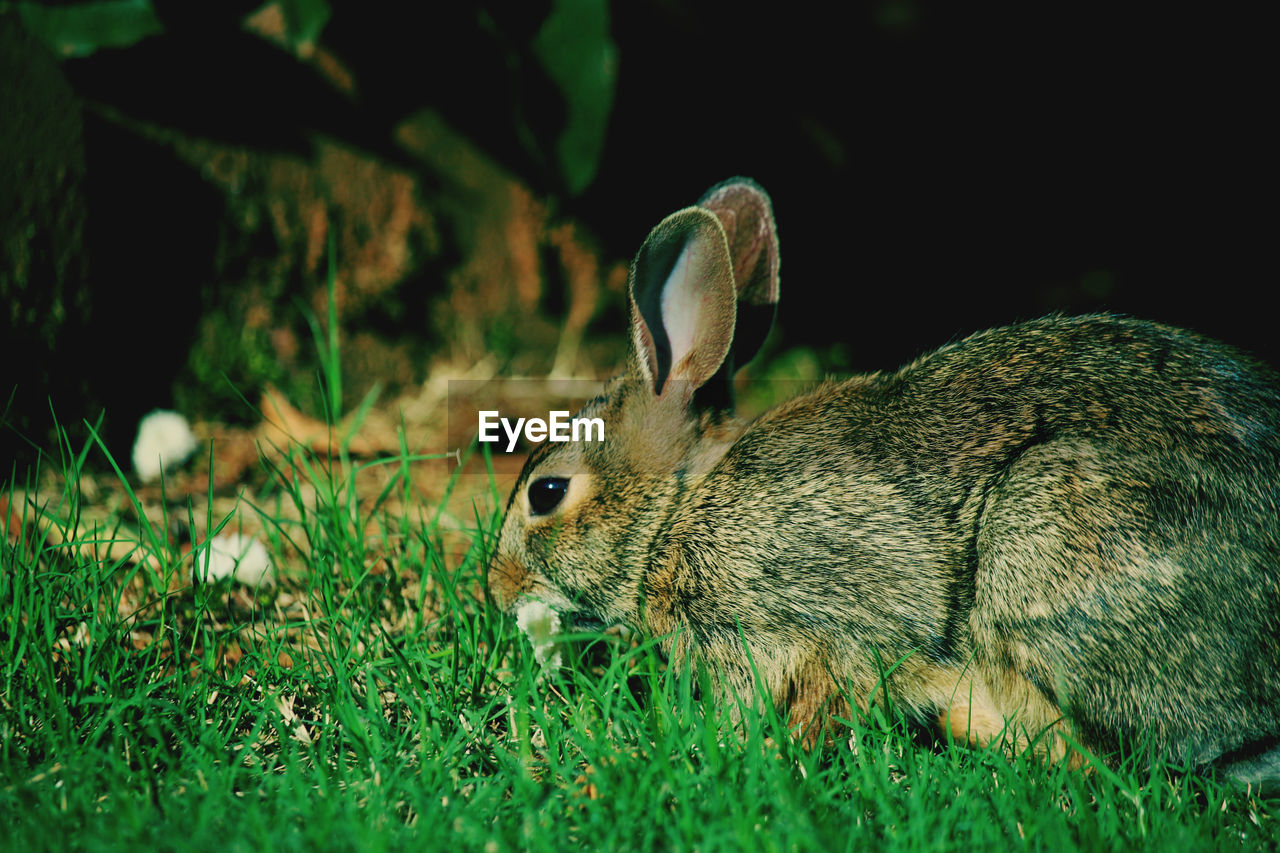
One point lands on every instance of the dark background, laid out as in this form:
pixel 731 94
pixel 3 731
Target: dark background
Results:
pixel 975 164
pixel 936 167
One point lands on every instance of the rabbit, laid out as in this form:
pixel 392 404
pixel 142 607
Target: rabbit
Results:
pixel 1064 530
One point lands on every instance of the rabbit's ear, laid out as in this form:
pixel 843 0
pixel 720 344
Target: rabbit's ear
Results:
pixel 746 214
pixel 683 301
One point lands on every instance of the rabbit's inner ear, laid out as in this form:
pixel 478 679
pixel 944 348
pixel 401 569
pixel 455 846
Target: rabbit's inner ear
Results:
pixel 682 292
pixel 746 213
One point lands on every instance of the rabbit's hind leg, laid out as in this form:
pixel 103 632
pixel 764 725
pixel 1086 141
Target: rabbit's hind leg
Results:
pixel 1108 581
pixel 986 710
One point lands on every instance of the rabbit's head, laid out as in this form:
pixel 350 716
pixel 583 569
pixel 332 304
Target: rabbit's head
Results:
pixel 585 515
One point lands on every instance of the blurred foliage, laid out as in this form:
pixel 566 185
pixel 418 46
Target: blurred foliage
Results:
pixel 81 28
pixel 574 47
pixel 246 360
pixel 304 20
pixel 775 378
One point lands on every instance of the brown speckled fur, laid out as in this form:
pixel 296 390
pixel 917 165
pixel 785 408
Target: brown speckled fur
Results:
pixel 1071 524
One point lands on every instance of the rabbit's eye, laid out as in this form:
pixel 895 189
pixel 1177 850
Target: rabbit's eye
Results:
pixel 546 493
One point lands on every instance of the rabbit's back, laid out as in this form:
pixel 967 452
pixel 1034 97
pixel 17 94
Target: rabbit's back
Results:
pixel 1082 510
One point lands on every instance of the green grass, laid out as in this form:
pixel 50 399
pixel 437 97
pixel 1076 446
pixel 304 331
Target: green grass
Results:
pixel 373 700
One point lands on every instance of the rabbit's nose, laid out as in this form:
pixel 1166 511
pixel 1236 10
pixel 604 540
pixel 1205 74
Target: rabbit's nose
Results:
pixel 508 579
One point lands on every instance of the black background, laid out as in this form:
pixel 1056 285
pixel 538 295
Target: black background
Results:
pixel 936 167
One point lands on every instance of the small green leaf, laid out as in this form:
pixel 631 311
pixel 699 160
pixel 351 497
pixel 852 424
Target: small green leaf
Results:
pixel 305 19
pixel 575 49
pixel 82 28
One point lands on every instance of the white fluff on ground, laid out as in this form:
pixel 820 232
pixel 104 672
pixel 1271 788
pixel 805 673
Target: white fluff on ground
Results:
pixel 164 440
pixel 541 624
pixel 234 555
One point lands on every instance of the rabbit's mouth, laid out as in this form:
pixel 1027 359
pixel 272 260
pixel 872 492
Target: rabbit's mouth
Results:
pixel 585 629
pixel 589 625
pixel 582 622
pixel 591 629
pixel 549 629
